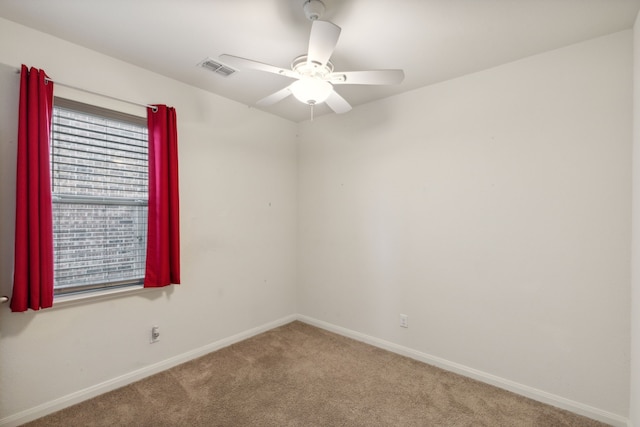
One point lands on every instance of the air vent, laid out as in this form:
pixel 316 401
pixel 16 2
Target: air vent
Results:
pixel 216 67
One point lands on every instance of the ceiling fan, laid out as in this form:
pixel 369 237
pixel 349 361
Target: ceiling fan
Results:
pixel 313 72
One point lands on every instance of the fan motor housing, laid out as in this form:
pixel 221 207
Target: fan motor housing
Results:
pixel 311 69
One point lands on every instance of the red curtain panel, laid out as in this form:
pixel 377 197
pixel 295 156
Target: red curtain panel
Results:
pixel 163 236
pixel 33 263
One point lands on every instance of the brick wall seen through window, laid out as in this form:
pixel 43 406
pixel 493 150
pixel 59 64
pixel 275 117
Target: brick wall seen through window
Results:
pixel 99 186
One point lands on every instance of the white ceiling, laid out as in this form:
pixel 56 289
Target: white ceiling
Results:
pixel 431 40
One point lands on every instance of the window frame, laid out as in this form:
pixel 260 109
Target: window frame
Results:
pixel 105 201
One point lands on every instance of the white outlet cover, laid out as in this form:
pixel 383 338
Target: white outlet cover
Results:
pixel 404 321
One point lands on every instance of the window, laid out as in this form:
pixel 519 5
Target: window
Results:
pixel 99 177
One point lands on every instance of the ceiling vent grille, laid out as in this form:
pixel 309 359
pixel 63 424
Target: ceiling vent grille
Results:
pixel 216 67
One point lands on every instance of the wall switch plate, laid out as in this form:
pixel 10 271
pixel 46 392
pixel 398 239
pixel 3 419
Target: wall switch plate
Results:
pixel 404 321
pixel 155 334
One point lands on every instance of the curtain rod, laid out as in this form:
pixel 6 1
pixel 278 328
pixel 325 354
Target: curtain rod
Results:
pixel 153 107
pixel 47 79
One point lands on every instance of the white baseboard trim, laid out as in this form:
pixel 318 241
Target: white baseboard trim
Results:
pixel 521 389
pixel 123 380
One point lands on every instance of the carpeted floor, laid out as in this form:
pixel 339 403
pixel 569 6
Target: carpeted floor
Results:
pixel 299 375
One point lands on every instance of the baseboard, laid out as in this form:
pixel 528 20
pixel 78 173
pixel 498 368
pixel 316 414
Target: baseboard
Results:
pixel 123 380
pixel 521 389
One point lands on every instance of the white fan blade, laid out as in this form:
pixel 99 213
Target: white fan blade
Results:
pixel 236 61
pixel 337 103
pixel 274 97
pixel 373 77
pixel 322 41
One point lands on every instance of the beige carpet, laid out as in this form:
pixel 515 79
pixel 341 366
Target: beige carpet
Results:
pixel 299 375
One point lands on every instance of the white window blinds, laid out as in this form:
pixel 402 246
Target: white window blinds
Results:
pixel 99 182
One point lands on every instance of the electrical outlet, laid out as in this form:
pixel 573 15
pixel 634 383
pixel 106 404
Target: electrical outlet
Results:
pixel 155 334
pixel 404 321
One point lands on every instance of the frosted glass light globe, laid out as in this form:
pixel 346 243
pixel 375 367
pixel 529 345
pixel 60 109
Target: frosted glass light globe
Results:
pixel 311 91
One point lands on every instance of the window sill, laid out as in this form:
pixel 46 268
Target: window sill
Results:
pixel 83 298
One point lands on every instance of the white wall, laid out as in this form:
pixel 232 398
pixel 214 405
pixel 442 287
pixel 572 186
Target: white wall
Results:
pixel 634 410
pixel 493 210
pixel 238 220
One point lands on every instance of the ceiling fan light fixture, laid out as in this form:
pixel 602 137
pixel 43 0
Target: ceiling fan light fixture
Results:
pixel 311 91
pixel 313 71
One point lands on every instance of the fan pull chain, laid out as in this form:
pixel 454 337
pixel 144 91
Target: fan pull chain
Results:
pixel 311 111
